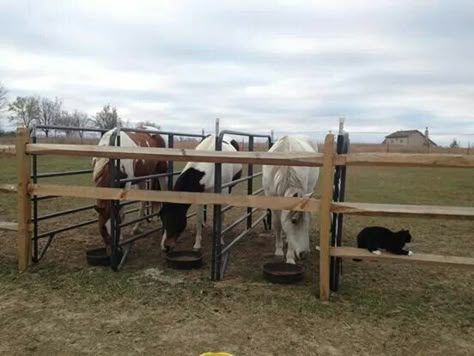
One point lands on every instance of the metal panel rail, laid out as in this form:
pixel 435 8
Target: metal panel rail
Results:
pixel 220 258
pixel 64 212
pixel 63 174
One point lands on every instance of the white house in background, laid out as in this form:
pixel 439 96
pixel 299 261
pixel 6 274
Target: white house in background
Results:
pixel 409 138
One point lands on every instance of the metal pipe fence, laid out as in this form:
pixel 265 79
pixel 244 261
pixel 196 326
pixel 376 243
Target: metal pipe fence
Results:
pixel 38 251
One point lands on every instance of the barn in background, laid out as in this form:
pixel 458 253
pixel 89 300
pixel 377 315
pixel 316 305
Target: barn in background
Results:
pixel 409 138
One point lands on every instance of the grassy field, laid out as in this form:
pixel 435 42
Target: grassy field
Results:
pixel 65 307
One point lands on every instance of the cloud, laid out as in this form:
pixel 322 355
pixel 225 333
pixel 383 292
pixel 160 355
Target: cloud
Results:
pixel 292 66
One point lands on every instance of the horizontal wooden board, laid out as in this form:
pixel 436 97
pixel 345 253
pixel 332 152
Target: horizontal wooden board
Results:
pixel 8 188
pixel 425 211
pixel 149 153
pixel 408 160
pixel 8 226
pixel 7 150
pixel 352 252
pixel 283 203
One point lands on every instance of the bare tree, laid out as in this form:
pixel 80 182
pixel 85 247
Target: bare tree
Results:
pixel 50 113
pixel 65 119
pixel 126 123
pixel 147 124
pixel 3 104
pixel 107 118
pixel 3 98
pixel 25 110
pixel 75 119
pixel 454 143
pixel 81 119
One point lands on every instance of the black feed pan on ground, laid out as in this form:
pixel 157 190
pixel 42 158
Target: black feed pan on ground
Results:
pixel 184 259
pixel 99 257
pixel 283 273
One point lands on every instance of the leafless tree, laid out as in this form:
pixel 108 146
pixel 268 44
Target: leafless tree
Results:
pixel 75 119
pixel 81 119
pixel 454 143
pixel 147 124
pixel 3 98
pixel 50 113
pixel 3 105
pixel 25 110
pixel 107 118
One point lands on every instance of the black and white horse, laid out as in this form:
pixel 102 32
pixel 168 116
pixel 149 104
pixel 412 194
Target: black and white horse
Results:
pixel 291 181
pixel 196 177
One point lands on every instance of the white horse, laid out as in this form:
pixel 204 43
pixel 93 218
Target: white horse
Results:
pixel 289 181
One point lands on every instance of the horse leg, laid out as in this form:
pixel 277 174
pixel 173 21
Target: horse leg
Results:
pixel 290 253
pixel 199 218
pixel 163 239
pixel 141 212
pixel 163 182
pixel 108 243
pixel 158 184
pixel 276 214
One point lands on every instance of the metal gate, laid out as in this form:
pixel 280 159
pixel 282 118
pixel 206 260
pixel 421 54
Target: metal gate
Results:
pixel 220 253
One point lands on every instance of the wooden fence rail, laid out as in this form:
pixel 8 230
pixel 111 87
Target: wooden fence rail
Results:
pixel 175 154
pixel 424 211
pixel 352 252
pixel 8 226
pixel 267 158
pixel 8 188
pixel 253 201
pixel 407 160
pixel 7 151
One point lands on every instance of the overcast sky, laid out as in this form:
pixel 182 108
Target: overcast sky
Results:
pixel 294 66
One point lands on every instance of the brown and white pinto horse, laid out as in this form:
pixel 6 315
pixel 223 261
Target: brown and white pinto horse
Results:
pixel 129 168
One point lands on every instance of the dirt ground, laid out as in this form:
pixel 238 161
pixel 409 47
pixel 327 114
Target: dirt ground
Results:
pixel 63 306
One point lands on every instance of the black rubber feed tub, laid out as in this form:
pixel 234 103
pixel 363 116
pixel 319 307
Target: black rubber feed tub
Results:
pixel 99 257
pixel 283 273
pixel 184 259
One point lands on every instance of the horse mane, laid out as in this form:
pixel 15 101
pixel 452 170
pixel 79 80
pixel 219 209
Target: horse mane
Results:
pixel 285 176
pixel 99 167
pixel 99 164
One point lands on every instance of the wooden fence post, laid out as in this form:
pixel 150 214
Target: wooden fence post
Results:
pixel 325 216
pixel 23 169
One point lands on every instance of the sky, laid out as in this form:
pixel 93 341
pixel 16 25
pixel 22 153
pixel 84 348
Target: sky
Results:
pixel 292 66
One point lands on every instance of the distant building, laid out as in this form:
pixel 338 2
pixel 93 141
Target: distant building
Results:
pixel 409 138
